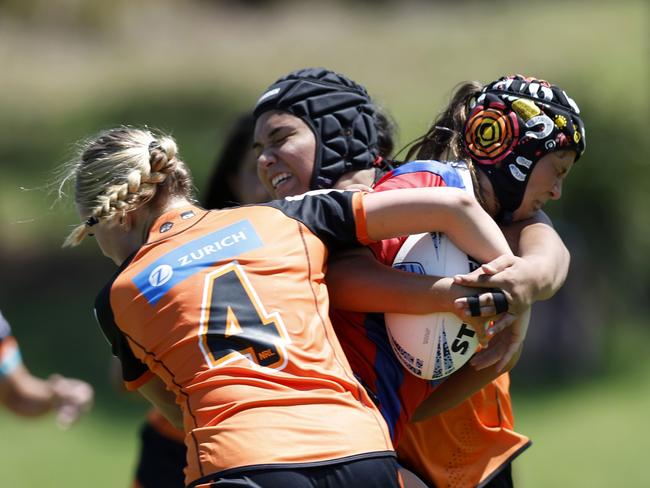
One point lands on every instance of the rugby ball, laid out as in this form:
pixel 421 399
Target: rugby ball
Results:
pixel 434 345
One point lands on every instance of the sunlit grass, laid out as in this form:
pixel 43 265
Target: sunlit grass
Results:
pixel 98 452
pixel 593 435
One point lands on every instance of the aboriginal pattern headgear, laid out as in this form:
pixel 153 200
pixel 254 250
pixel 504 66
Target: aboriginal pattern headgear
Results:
pixel 512 123
pixel 339 112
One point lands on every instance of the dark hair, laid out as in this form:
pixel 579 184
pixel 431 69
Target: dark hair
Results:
pixel 444 139
pixel 386 133
pixel 239 141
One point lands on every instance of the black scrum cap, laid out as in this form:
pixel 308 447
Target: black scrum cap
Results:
pixel 339 112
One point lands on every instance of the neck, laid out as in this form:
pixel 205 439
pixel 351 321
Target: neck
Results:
pixel 152 213
pixel 356 179
pixel 486 191
pixel 140 222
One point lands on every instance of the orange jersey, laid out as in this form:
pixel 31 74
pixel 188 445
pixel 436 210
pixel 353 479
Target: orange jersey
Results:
pixel 230 309
pixel 464 447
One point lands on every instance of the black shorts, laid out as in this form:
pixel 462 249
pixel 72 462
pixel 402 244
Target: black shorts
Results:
pixel 161 460
pixel 375 472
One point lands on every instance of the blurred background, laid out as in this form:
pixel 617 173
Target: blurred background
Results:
pixel 73 67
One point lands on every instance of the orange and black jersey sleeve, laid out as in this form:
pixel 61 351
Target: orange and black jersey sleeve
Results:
pixel 336 217
pixel 132 368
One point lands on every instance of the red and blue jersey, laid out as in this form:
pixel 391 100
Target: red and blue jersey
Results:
pixel 467 445
pixel 363 335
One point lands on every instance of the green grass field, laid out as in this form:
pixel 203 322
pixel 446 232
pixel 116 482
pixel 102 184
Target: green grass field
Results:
pixel 99 452
pixel 592 434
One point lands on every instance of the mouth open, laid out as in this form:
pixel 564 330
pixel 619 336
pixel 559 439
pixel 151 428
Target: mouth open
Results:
pixel 277 180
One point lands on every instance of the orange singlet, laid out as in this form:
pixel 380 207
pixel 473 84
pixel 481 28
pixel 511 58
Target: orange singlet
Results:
pixel 466 446
pixel 230 309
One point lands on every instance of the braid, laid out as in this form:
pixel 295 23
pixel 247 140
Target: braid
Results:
pixel 162 159
pixel 122 170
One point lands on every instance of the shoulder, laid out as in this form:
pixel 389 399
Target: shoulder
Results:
pixel 332 215
pixel 313 204
pixel 417 174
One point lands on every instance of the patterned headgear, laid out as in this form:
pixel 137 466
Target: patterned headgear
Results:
pixel 339 112
pixel 514 122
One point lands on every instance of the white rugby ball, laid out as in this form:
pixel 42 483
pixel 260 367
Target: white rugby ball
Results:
pixel 434 345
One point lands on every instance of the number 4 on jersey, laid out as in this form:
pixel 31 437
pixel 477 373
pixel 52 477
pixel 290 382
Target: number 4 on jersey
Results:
pixel 234 322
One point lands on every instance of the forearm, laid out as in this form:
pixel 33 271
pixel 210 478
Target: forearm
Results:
pixel 27 395
pixel 537 242
pixel 358 282
pixel 447 210
pixel 164 400
pixel 458 387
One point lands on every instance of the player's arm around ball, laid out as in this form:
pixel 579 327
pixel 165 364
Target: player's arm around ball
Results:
pixel 536 273
pixel 469 379
pixel 359 282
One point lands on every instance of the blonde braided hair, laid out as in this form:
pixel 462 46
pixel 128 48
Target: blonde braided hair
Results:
pixel 119 171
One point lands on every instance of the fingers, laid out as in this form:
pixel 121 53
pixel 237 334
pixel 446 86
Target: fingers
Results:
pixel 499 351
pixel 481 276
pixel 500 324
pixel 486 357
pixel 476 278
pixel 73 399
pixel 474 306
pixel 509 334
pixel 508 355
pixel 486 304
pixel 67 415
pixel 498 264
pixel 482 334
